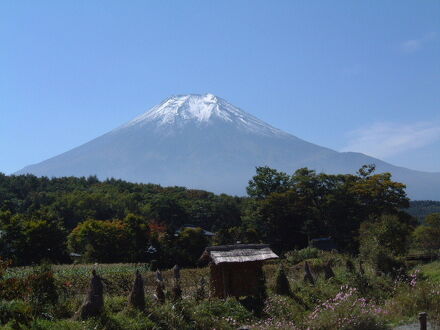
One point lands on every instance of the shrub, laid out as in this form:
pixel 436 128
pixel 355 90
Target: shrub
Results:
pixel 43 289
pixel 4 265
pixel 308 296
pixel 10 288
pixel 420 295
pixel 13 288
pixel 66 307
pixel 349 265
pixel 296 256
pixel 347 311
pixel 171 316
pixel 131 320
pixel 200 292
pixel 115 304
pixel 15 311
pixel 387 264
pixel 220 311
pixel 281 308
pixel 391 232
pixel 367 284
pixel 427 236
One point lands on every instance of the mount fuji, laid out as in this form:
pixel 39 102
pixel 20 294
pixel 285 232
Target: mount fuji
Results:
pixel 204 142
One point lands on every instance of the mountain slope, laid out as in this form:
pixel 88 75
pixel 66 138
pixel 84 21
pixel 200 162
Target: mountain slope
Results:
pixel 202 141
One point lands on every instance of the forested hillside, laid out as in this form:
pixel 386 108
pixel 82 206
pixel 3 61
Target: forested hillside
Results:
pixel 420 209
pixel 118 221
pixel 37 214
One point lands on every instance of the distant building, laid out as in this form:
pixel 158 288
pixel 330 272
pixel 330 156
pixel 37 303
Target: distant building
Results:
pixel 76 257
pixel 205 232
pixel 325 244
pixel 236 270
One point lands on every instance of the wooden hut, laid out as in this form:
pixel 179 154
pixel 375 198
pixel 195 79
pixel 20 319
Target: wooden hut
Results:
pixel 236 270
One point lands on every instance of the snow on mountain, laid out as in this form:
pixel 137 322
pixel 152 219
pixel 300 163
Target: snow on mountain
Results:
pixel 204 142
pixel 203 109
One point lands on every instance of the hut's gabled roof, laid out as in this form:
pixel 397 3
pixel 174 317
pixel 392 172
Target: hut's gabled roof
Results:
pixel 238 253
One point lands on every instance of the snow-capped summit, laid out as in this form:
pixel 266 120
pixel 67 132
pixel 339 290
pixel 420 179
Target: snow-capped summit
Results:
pixel 179 110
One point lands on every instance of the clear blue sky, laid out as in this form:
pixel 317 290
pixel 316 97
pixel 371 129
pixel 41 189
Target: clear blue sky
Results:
pixel 350 75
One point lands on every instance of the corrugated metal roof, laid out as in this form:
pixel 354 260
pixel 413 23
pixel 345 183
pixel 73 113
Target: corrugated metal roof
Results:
pixel 240 253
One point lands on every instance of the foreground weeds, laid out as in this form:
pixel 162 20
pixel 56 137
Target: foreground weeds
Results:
pixel 354 298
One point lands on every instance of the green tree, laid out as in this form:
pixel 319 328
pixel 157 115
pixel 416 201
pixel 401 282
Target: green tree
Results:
pixel 427 236
pixel 101 241
pixel 27 240
pixel 236 234
pixel 382 241
pixel 282 218
pixel 184 248
pixel 44 240
pixel 12 241
pixel 192 242
pixel 377 194
pixel 168 210
pixel 389 233
pixel 288 211
pixel 267 181
pixel 139 233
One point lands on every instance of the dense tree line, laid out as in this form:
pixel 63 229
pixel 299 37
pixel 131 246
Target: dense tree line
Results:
pixel 289 210
pixel 118 221
pixel 106 221
pixel 421 209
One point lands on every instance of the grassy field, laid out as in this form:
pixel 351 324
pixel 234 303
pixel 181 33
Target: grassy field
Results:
pixel 118 278
pixel 353 299
pixel 432 271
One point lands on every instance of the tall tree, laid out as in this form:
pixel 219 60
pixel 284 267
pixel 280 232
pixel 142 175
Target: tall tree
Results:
pixel 315 205
pixel 101 241
pixel 283 218
pixel 267 181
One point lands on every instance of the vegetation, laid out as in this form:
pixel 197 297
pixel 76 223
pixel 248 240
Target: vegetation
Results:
pixel 125 227
pixel 109 221
pixel 427 236
pixel 116 221
pixel 350 300
pixel 420 209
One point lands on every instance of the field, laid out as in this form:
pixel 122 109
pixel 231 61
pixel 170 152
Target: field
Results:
pixel 355 298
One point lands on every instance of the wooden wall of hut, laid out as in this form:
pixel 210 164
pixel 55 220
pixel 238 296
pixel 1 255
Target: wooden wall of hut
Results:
pixel 235 279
